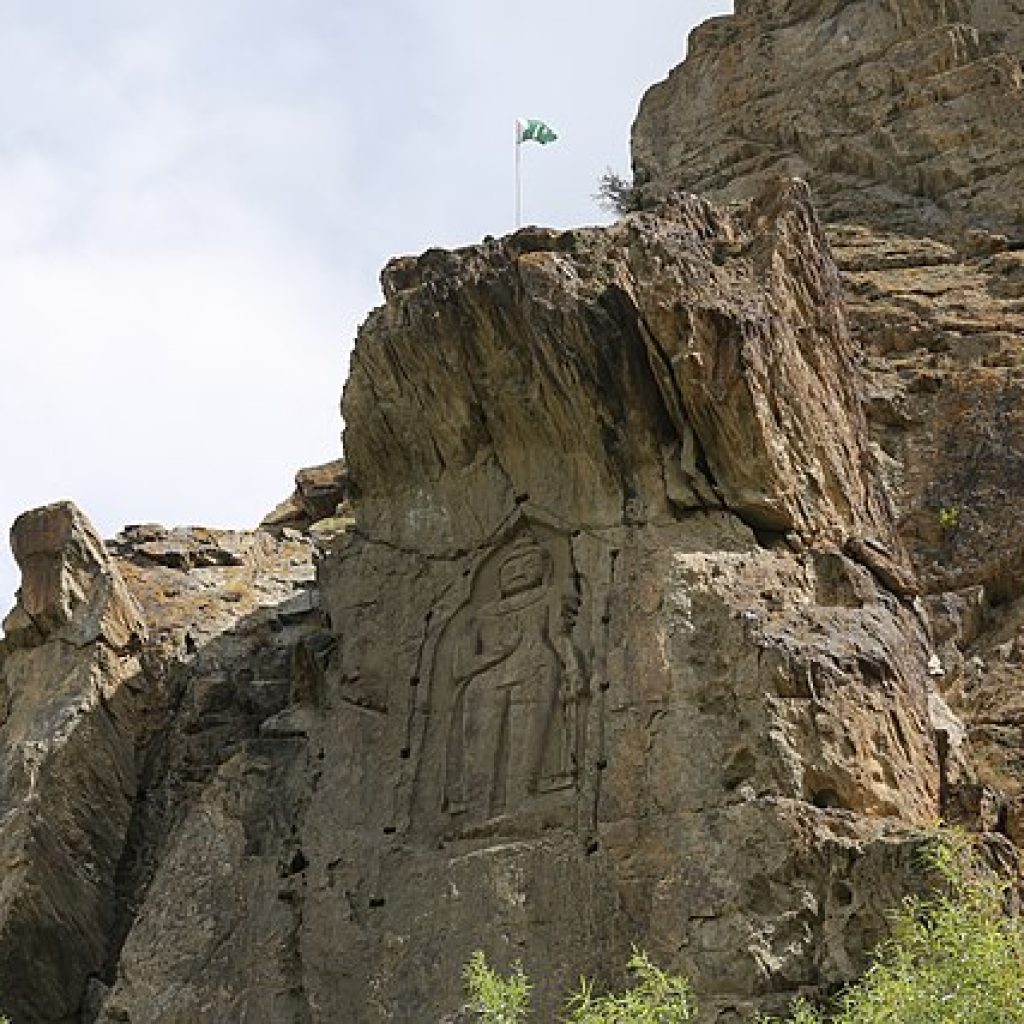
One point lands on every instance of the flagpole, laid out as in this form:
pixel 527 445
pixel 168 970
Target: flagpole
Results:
pixel 519 176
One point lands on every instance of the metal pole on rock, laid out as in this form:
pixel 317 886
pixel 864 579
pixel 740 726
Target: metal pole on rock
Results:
pixel 519 175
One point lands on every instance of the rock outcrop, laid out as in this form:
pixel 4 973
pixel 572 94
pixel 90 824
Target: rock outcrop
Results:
pixel 321 496
pixel 654 672
pixel 903 117
pixel 68 668
pixel 902 114
pixel 137 679
pixel 661 563
pixel 237 638
pixel 620 646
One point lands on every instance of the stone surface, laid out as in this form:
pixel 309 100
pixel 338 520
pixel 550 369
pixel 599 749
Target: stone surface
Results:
pixel 936 313
pixel 903 118
pixel 321 492
pixel 134 679
pixel 600 630
pixel 728 382
pixel 69 591
pixel 68 668
pixel 902 114
pixel 624 651
pixel 204 931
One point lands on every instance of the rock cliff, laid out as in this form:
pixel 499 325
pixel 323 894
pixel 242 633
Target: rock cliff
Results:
pixel 667 591
pixel 146 692
pixel 902 116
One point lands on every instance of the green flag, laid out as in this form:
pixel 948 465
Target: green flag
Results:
pixel 535 131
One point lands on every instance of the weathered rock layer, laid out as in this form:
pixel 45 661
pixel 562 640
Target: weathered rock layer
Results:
pixel 904 119
pixel 902 114
pixel 143 688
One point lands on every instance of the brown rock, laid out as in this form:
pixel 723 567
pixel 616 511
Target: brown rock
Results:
pixel 710 358
pixel 589 692
pixel 67 765
pixel 620 643
pixel 68 589
pixel 320 491
pixel 900 114
pixel 902 118
pixel 598 670
pixel 115 734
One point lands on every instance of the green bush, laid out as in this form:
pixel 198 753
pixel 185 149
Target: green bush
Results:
pixel 616 194
pixel 952 958
pixel 655 998
pixel 494 999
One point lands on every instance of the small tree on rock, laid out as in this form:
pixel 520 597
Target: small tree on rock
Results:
pixel 616 194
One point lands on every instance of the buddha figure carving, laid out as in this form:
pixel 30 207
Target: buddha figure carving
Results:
pixel 511 732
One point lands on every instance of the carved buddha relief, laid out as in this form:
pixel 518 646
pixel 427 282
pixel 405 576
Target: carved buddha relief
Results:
pixel 508 687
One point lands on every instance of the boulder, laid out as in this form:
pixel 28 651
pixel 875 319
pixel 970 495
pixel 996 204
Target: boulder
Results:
pixel 320 492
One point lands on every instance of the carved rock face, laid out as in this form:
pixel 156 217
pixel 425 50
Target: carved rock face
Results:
pixel 586 692
pixel 623 646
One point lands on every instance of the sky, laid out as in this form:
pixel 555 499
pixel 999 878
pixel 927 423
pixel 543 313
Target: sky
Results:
pixel 197 196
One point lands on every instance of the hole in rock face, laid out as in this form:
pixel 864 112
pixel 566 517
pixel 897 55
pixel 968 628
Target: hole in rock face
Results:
pixel 826 798
pixel 1002 820
pixel 769 538
pixel 404 753
pixel 296 863
pixel 377 901
pixel 739 766
pixel 842 894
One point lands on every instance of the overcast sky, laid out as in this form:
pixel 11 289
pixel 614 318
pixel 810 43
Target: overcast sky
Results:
pixel 196 198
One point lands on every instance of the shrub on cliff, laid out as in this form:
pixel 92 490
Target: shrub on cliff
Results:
pixel 952 958
pixel 493 998
pixel 616 194
pixel 655 998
